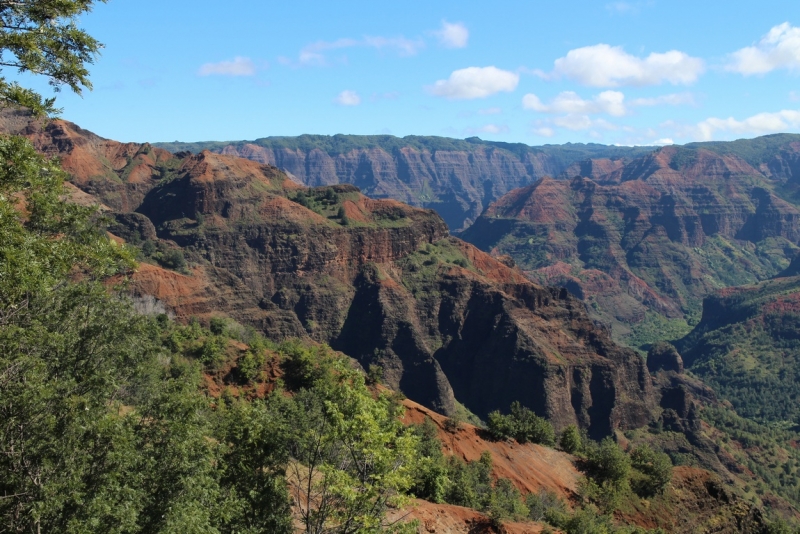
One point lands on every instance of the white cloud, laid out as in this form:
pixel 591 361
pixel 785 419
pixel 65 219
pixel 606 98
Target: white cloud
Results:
pixel 672 99
pixel 663 142
pixel 778 49
pixel 609 102
pixel 582 122
pixel 490 111
pixel 603 65
pixel 452 35
pixel 544 131
pixel 475 82
pixel 348 98
pixel 760 124
pixel 314 54
pixel 488 128
pixel 239 66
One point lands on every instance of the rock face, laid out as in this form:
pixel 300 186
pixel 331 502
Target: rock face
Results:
pixel 379 280
pixel 663 357
pixel 445 320
pixel 652 236
pixel 456 178
pixel 119 173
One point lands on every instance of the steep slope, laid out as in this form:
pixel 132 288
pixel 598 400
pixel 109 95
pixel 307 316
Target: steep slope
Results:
pixel 119 173
pixel 382 282
pixel 457 178
pixel 643 242
pixel 377 279
pixel 747 347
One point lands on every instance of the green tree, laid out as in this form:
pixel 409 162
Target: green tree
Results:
pixel 571 441
pixel 350 455
pixel 521 424
pixel 656 468
pixel 432 481
pixel 41 37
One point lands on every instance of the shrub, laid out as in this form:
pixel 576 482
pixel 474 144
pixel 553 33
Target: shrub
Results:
pixel 218 326
pixel 523 425
pixel 656 468
pixel 453 424
pixel 374 374
pixel 571 441
pixel 173 259
pixel 545 506
pixel 501 427
pixel 505 502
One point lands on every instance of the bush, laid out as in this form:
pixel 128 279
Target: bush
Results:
pixel 453 424
pixel 523 425
pixel 656 468
pixel 431 481
pixel 607 462
pixel 148 248
pixel 571 441
pixel 251 364
pixel 500 427
pixel 173 259
pixel 374 374
pixel 471 482
pixel 218 326
pixel 545 506
pixel 505 502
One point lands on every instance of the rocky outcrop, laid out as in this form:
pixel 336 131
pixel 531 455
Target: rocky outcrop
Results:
pixel 388 287
pixel 377 279
pixel 119 174
pixel 654 235
pixel 457 178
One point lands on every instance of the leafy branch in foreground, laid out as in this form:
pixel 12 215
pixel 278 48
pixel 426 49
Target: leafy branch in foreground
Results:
pixel 41 37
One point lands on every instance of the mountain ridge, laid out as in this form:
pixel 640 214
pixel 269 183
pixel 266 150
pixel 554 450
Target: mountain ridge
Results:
pixel 458 178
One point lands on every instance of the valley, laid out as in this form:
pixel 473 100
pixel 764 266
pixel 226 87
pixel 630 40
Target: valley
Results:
pixel 531 307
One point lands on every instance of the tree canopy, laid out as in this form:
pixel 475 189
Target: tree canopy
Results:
pixel 42 37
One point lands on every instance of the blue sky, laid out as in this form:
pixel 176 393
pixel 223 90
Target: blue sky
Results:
pixel 632 72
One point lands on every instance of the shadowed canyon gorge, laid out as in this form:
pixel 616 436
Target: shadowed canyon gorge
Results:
pixel 566 254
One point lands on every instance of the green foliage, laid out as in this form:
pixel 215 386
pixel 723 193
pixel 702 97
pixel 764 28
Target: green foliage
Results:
pixel 749 352
pixel 607 463
pixel 431 481
pixel 173 259
pixel 218 326
pixel 767 451
pixel 656 468
pixel 471 482
pixel 164 255
pixel 571 440
pixel 521 424
pixel 251 364
pixel 42 38
pixel 453 423
pixel 304 365
pixel 39 248
pixel 545 507
pixel 374 374
pixel 505 503
pixel 350 455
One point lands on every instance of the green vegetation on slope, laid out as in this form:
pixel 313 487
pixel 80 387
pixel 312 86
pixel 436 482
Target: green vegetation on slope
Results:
pixel 105 426
pixel 753 151
pixel 747 346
